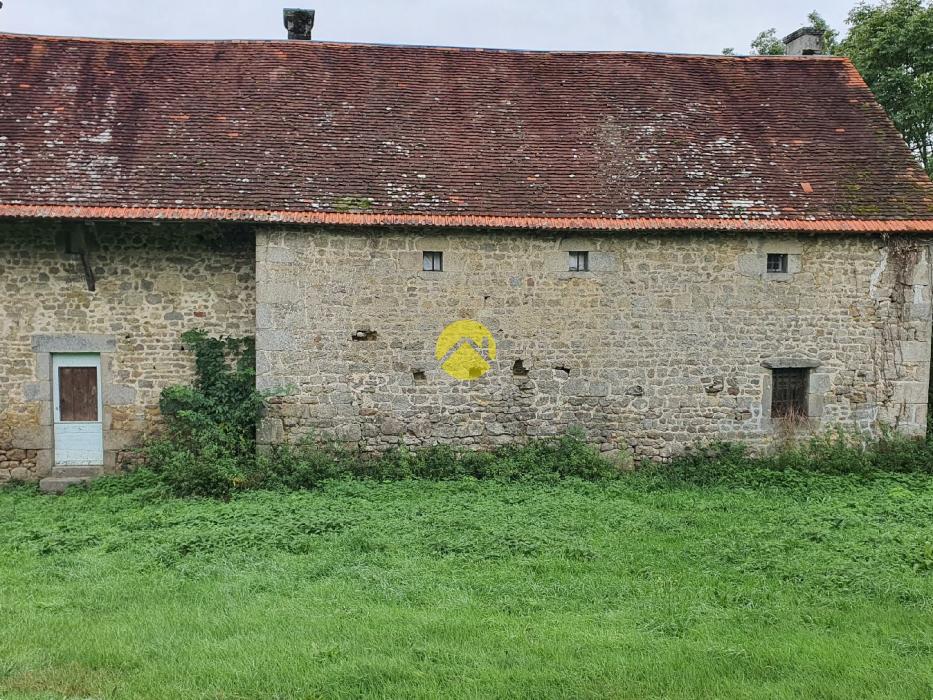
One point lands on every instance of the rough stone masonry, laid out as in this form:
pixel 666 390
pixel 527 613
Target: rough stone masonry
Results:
pixel 153 283
pixel 668 339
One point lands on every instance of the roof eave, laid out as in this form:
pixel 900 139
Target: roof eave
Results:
pixel 96 213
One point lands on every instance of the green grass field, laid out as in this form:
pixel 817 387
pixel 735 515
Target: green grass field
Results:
pixel 786 587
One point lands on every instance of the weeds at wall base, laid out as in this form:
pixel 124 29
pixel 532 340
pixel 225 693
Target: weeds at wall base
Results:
pixel 834 454
pixel 210 470
pixel 209 448
pixel 213 472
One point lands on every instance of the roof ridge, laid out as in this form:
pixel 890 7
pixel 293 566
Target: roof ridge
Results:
pixel 352 44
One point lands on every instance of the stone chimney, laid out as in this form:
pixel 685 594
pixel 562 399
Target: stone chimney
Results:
pixel 806 41
pixel 299 23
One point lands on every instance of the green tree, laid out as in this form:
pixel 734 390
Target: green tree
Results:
pixel 891 44
pixel 830 35
pixel 767 44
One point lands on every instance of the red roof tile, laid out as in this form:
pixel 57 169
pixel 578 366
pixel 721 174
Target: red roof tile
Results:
pixel 310 132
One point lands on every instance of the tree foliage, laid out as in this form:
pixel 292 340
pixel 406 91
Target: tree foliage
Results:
pixel 767 43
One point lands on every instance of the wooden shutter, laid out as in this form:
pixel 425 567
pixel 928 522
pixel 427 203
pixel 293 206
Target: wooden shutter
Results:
pixel 789 393
pixel 77 394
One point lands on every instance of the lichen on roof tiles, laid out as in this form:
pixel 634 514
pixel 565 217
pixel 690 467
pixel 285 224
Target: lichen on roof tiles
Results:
pixel 303 131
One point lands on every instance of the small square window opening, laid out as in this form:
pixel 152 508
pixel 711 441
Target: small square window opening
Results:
pixel 433 261
pixel 789 393
pixel 777 263
pixel 579 261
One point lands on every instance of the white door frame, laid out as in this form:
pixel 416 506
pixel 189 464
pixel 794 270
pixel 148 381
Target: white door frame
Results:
pixel 77 443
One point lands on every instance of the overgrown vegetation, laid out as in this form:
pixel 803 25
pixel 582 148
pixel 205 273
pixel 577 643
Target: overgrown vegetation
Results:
pixel 209 444
pixel 837 454
pixel 309 465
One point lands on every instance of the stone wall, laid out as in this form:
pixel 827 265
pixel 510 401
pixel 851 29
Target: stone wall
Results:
pixel 668 340
pixel 153 282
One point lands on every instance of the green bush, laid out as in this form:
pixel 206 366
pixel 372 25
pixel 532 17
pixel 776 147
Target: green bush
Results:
pixel 208 448
pixel 304 467
pixel 566 456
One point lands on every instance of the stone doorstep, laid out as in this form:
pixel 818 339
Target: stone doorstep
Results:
pixel 62 477
pixel 83 471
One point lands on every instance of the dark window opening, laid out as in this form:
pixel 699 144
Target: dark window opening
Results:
pixel 579 261
pixel 789 393
pixel 777 262
pixel 433 261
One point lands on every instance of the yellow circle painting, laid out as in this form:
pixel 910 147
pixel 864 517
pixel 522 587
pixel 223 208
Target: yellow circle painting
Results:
pixel 465 349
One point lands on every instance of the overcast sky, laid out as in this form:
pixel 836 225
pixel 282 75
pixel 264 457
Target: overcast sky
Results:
pixel 687 26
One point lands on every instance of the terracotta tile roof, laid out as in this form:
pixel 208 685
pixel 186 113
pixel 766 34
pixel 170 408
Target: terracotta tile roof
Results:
pixel 311 132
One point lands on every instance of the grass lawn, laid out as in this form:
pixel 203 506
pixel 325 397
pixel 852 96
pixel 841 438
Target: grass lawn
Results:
pixel 788 587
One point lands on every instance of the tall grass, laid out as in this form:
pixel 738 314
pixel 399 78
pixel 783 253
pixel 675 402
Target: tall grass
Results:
pixel 801 585
pixel 837 453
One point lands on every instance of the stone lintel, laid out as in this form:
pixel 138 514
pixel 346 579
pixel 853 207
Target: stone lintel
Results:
pixel 789 363
pixel 73 343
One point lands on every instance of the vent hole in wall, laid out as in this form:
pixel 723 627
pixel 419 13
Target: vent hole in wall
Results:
pixel 365 335
pixel 519 369
pixel 561 368
pixel 419 375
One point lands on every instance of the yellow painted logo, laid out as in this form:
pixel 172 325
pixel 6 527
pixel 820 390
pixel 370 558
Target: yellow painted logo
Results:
pixel 465 349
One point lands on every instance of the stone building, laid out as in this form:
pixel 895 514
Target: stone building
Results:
pixel 454 245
